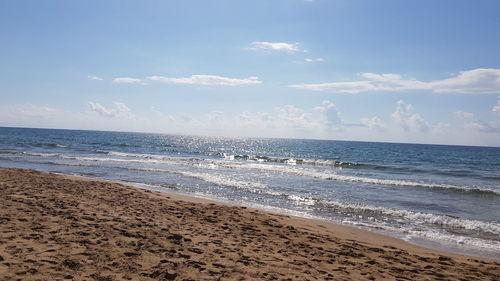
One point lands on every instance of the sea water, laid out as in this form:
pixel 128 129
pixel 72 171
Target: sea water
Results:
pixel 444 197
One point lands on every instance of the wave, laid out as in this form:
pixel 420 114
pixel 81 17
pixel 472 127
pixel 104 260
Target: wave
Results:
pixel 356 179
pixel 486 246
pixel 291 161
pixel 149 157
pixel 282 169
pixel 145 185
pixel 444 221
pixel 98 159
pixel 451 241
pixel 255 158
pixel 419 217
pixel 310 162
pixel 45 144
pixel 146 156
pixel 109 144
pixel 42 154
pixel 410 184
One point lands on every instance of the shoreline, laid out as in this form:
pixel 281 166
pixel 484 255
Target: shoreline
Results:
pixel 71 226
pixel 425 244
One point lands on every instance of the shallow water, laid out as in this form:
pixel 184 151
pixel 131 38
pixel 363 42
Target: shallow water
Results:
pixel 445 197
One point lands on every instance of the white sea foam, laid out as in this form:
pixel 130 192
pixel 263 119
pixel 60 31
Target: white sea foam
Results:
pixel 107 159
pixel 292 161
pixel 490 245
pixel 417 217
pixel 225 181
pixel 42 154
pixel 451 241
pixel 138 155
pixel 219 179
pixel 420 218
pixel 309 201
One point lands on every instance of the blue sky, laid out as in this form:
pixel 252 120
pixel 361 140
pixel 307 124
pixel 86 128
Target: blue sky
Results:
pixel 401 71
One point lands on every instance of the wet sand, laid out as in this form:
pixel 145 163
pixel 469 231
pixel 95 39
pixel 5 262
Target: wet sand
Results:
pixel 55 227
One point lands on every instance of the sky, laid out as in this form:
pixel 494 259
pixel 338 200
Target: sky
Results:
pixel 417 71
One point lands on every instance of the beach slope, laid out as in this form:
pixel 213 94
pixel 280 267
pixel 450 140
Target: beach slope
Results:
pixel 61 227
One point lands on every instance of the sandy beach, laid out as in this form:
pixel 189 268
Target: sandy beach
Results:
pixel 55 227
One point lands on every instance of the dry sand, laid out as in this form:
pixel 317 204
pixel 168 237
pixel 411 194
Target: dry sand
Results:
pixel 55 227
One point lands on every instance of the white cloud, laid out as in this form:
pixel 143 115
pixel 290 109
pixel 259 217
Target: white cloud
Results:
pixel 95 78
pixel 314 60
pixel 295 117
pixel 207 80
pixel 331 114
pixel 331 119
pixel 476 81
pixel 471 122
pixel 126 80
pixel 275 46
pixel 119 110
pixel 481 126
pixel 408 120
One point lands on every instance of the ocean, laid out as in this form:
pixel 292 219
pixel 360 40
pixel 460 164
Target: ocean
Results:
pixel 437 196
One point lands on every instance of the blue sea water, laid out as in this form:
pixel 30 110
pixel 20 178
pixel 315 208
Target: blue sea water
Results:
pixel 445 197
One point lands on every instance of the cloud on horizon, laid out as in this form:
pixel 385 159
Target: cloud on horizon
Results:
pixel 288 121
pixel 476 81
pixel 119 110
pixel 471 122
pixel 373 123
pixel 407 119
